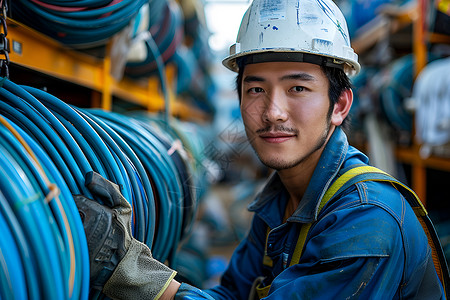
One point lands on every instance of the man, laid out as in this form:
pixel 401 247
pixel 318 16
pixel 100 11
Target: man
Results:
pixel 292 58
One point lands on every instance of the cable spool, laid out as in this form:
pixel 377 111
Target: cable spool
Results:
pixel 13 282
pixel 41 128
pixel 186 67
pixel 153 174
pixel 396 88
pixel 48 237
pixel 174 150
pixel 362 104
pixel 360 12
pixel 185 162
pixel 431 94
pixel 167 35
pixel 79 24
pixel 163 175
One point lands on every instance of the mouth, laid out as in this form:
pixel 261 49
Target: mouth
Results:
pixel 277 137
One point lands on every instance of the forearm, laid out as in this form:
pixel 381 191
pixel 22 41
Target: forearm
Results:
pixel 169 293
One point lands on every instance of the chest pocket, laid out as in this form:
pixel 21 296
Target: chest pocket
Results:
pixel 354 175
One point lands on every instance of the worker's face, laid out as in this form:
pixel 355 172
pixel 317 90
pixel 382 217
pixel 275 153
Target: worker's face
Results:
pixel 286 112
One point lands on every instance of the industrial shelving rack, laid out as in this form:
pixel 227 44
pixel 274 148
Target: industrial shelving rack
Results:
pixel 34 51
pixel 393 20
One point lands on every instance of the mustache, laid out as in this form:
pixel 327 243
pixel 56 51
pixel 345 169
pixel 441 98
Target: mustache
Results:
pixel 277 128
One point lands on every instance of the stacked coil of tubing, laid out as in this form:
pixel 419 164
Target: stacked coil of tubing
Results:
pixel 431 93
pixel 77 23
pixel 164 35
pixel 359 13
pixel 396 88
pixel 47 147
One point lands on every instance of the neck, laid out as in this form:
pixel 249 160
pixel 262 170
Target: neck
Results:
pixel 296 179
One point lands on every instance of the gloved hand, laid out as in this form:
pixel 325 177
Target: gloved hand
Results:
pixel 107 228
pixel 120 265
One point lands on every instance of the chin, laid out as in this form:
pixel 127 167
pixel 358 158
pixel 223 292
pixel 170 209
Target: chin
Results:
pixel 278 164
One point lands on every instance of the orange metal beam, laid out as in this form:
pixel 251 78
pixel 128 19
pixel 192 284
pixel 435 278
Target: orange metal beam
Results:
pixel 419 44
pixel 38 52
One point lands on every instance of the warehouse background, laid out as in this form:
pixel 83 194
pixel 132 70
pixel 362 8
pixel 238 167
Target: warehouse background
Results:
pixel 135 90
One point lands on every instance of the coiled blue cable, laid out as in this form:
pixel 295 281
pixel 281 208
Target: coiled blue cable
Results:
pixel 58 243
pixel 136 163
pixel 68 149
pixel 176 184
pixel 55 104
pixel 26 204
pixel 189 205
pixel 166 171
pixel 128 174
pixel 68 142
pixel 93 25
pixel 140 197
pixel 29 268
pixel 81 280
pixel 12 273
pixel 28 126
pixel 93 159
pixel 146 156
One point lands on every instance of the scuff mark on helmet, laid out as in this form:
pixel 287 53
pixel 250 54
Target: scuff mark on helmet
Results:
pixel 329 12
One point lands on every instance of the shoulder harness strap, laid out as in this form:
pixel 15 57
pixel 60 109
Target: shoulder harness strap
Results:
pixel 362 173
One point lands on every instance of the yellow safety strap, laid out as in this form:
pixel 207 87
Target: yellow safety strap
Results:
pixel 262 291
pixel 343 179
pixel 417 206
pixel 328 195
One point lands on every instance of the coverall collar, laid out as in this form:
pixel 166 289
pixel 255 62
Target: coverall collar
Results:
pixel 327 168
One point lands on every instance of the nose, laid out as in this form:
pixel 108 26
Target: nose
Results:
pixel 275 110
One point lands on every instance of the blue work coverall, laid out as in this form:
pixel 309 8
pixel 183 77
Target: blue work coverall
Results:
pixel 366 244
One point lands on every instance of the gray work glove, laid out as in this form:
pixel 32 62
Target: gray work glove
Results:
pixel 120 265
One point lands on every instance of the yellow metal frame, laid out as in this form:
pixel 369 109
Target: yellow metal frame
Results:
pixel 395 19
pixel 38 52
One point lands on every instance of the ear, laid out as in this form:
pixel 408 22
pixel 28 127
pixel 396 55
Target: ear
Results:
pixel 342 107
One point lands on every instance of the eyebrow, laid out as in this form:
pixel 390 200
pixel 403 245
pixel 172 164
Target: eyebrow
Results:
pixel 252 78
pixel 296 76
pixel 299 76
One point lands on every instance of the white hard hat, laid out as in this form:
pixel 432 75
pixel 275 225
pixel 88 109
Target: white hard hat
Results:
pixel 303 30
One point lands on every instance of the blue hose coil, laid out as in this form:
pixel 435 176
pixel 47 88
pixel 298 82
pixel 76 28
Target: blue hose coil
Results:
pixel 166 167
pixel 141 185
pixel 66 141
pixel 28 165
pixel 81 281
pixel 142 149
pixel 25 201
pixel 12 271
pixel 81 25
pixel 77 162
pixel 31 129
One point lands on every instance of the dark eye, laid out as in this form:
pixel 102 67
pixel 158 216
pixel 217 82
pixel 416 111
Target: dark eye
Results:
pixel 298 89
pixel 255 90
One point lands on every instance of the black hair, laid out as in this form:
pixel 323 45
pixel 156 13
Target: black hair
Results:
pixel 338 83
